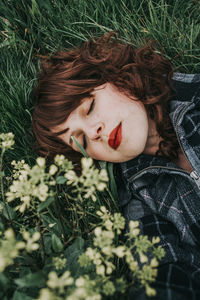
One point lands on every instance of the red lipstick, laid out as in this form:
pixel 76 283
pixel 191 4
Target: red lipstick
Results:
pixel 115 137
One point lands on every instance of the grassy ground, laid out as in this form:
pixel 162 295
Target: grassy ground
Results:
pixel 33 28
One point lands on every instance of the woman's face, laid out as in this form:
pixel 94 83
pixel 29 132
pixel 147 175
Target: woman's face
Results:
pixel 109 125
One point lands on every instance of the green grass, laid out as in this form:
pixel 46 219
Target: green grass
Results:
pixel 33 28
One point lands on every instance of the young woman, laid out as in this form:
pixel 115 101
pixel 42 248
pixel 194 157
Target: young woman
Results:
pixel 125 105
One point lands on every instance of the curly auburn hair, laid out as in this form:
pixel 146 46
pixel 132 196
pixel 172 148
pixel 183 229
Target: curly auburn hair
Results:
pixel 69 76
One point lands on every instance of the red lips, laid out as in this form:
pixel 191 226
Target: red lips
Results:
pixel 115 137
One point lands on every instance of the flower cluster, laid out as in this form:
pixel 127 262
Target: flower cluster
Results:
pixel 20 169
pixel 85 288
pixel 32 183
pixel 59 283
pixel 6 141
pixel 59 262
pixel 104 241
pixel 101 256
pixel 134 251
pixel 9 249
pixel 90 180
pixel 31 244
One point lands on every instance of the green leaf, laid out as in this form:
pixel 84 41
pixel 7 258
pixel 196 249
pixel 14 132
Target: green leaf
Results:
pixel 11 212
pixel 31 280
pixel 57 245
pixel 72 254
pixel 102 164
pixel 2 174
pixel 51 223
pixel 79 146
pixel 45 204
pixel 4 282
pixel 47 243
pixel 19 296
pixel 112 183
pixel 61 180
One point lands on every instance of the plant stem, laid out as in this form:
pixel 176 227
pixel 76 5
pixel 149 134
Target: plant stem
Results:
pixel 2 187
pixel 41 240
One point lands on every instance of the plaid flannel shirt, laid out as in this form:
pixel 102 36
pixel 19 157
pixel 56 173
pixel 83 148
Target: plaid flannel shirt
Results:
pixel 165 199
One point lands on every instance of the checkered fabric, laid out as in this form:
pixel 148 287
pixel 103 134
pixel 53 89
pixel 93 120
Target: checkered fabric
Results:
pixel 165 199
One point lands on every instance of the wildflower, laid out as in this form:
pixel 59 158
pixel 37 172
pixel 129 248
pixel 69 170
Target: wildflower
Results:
pixel 80 281
pixel 84 260
pixel 133 224
pixel 71 177
pixel 98 231
pixel 103 175
pixel 86 162
pixel 41 192
pixel 108 224
pixel 59 159
pixel 100 270
pixel 41 161
pixel 30 241
pixel 6 140
pixel 47 295
pixel 134 231
pixel 108 288
pixel 155 240
pixel 53 169
pixel 118 222
pixel 100 186
pixel 109 267
pixel 9 249
pixel 143 258
pixel 21 169
pixel 55 282
pixel 25 204
pixel 150 291
pixel 102 211
pixel 107 250
pixel 147 274
pixel 59 262
pixel 90 253
pixel 63 163
pixel 119 251
pixel 154 262
pixel 104 239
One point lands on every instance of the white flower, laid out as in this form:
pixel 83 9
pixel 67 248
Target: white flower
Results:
pixel 155 240
pixel 154 262
pixel 86 162
pixel 119 251
pixel 59 159
pixel 103 175
pixel 80 282
pixel 101 186
pixel 53 169
pixel 98 231
pixel 100 270
pixel 133 224
pixel 71 177
pixel 143 258
pixel 40 161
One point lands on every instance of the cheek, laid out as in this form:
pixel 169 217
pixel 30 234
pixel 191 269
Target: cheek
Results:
pixel 98 153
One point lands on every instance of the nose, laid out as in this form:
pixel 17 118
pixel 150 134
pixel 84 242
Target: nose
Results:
pixel 95 132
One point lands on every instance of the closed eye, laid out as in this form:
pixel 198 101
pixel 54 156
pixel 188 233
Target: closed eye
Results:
pixel 91 107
